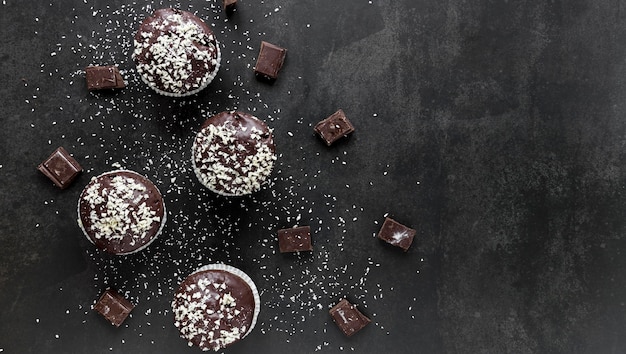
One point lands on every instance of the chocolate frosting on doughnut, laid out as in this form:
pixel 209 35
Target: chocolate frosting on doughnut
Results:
pixel 121 211
pixel 175 51
pixel 213 309
pixel 233 153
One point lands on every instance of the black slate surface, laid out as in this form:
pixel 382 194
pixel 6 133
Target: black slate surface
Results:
pixel 494 128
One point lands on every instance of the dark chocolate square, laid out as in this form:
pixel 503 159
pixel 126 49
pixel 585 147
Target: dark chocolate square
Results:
pixel 60 167
pixel 334 127
pixel 229 5
pixel 348 318
pixel 396 234
pixel 270 60
pixel 103 78
pixel 114 307
pixel 295 239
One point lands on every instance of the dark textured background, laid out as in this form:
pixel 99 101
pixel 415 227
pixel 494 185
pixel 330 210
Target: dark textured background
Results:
pixel 495 128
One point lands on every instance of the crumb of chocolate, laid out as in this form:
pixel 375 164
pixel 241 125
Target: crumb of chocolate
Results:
pixel 334 127
pixel 113 306
pixel 60 167
pixel 396 234
pixel 270 61
pixel 229 5
pixel 296 239
pixel 348 318
pixel 103 77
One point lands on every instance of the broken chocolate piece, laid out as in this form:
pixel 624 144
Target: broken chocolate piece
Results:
pixel 60 167
pixel 295 239
pixel 348 318
pixel 114 307
pixel 103 78
pixel 229 5
pixel 396 234
pixel 334 127
pixel 270 61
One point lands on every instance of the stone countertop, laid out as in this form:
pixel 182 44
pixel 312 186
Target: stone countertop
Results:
pixel 496 129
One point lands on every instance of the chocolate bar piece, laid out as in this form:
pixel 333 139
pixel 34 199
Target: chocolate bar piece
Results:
pixel 270 61
pixel 103 78
pixel 396 234
pixel 114 307
pixel 334 127
pixel 348 318
pixel 60 167
pixel 229 5
pixel 295 239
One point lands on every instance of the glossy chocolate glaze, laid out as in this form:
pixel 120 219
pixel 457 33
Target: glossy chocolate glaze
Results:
pixel 165 25
pixel 202 315
pixel 230 158
pixel 129 240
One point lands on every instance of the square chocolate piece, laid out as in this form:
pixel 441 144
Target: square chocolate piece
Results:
pixel 114 307
pixel 270 61
pixel 229 5
pixel 396 234
pixel 295 239
pixel 60 167
pixel 334 127
pixel 103 78
pixel 348 318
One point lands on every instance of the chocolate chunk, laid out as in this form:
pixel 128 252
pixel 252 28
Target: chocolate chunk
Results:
pixel 229 5
pixel 334 127
pixel 348 318
pixel 60 167
pixel 396 234
pixel 114 307
pixel 103 77
pixel 270 61
pixel 295 239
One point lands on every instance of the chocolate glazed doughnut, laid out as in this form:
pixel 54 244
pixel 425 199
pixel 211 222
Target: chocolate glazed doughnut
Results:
pixel 233 154
pixel 176 53
pixel 121 212
pixel 216 306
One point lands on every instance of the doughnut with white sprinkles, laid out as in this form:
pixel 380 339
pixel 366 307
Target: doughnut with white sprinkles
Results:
pixel 215 307
pixel 121 212
pixel 233 153
pixel 176 53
